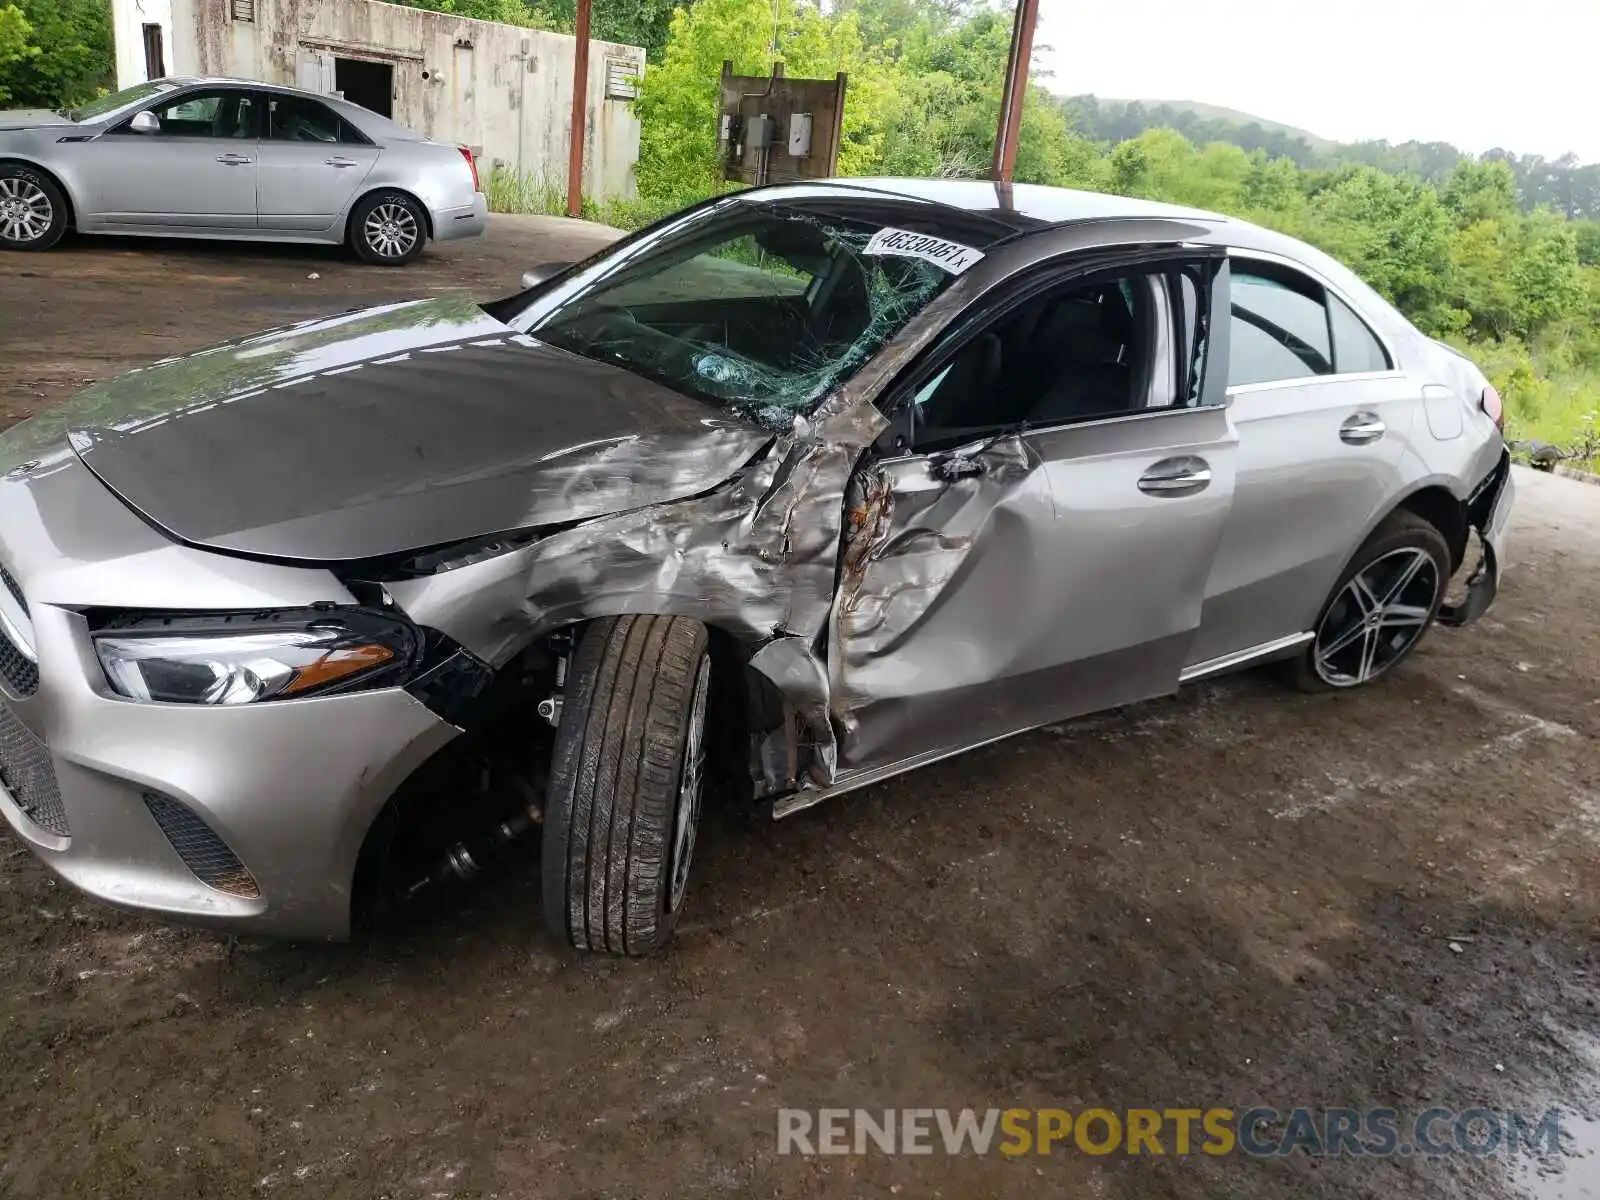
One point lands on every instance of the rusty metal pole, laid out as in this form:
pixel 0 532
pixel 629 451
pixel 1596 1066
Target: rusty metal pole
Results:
pixel 580 113
pixel 1016 87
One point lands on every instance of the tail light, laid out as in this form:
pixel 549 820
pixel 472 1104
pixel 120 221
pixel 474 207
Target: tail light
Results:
pixel 1492 404
pixel 472 165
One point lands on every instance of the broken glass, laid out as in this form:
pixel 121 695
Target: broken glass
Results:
pixel 762 310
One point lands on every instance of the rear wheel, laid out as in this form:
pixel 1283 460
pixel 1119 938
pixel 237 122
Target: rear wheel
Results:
pixel 625 783
pixel 33 212
pixel 1384 602
pixel 388 229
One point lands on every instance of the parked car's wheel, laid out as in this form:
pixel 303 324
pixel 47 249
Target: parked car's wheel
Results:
pixel 33 212
pixel 625 783
pixel 388 229
pixel 1382 605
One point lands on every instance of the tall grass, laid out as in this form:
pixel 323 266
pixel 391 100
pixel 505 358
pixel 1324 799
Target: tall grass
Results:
pixel 512 191
pixel 1551 393
pixel 536 194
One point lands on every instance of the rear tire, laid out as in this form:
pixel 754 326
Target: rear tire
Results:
pixel 625 783
pixel 33 211
pixel 1383 604
pixel 388 229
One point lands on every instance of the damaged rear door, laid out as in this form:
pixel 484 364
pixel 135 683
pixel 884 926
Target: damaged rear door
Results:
pixel 1032 537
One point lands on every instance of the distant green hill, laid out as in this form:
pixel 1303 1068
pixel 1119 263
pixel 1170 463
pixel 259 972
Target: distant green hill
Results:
pixel 1565 185
pixel 1229 116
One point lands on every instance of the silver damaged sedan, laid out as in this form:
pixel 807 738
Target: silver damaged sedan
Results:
pixel 225 158
pixel 793 491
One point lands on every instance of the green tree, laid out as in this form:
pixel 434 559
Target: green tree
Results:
pixel 69 53
pixel 15 44
pixel 1397 235
pixel 677 102
pixel 1481 191
pixel 631 22
pixel 507 12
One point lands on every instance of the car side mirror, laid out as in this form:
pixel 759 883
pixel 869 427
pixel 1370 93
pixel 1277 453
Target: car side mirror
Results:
pixel 145 122
pixel 543 273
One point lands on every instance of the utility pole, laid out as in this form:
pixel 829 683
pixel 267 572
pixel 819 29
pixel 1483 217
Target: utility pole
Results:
pixel 580 113
pixel 1016 87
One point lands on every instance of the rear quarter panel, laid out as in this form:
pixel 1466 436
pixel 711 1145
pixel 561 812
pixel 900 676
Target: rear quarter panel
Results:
pixel 435 174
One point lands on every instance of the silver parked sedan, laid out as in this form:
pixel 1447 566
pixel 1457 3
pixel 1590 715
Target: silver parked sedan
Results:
pixel 225 158
pixel 795 490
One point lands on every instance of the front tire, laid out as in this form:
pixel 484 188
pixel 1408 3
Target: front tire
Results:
pixel 388 229
pixel 625 783
pixel 1384 602
pixel 33 212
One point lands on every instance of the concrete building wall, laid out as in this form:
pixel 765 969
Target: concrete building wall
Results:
pixel 129 17
pixel 503 90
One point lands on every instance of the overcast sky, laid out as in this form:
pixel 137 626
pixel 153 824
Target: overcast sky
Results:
pixel 1521 74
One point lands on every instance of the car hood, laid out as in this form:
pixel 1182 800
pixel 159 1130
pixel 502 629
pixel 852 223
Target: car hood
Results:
pixel 386 430
pixel 29 118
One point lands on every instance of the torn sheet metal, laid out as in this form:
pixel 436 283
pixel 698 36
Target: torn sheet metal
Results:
pixel 794 668
pixel 912 535
pixel 755 557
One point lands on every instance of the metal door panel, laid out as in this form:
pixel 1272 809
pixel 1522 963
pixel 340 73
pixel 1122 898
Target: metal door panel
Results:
pixel 1311 481
pixel 307 185
pixel 1047 586
pixel 152 179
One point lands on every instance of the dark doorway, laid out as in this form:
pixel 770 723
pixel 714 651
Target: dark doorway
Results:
pixel 369 84
pixel 155 60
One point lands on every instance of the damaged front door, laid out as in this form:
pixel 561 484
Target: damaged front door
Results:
pixel 1043 549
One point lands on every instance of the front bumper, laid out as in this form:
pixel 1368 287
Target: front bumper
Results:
pixel 1489 513
pixel 121 792
pixel 468 221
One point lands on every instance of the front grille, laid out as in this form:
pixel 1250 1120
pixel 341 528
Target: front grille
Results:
pixel 202 851
pixel 20 672
pixel 13 587
pixel 30 776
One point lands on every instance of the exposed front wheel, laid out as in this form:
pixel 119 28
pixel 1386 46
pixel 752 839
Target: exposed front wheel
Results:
pixel 33 212
pixel 388 229
pixel 1384 602
pixel 626 779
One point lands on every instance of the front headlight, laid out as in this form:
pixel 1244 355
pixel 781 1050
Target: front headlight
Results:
pixel 245 658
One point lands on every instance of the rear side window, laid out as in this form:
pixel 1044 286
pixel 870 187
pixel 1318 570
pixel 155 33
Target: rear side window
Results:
pixel 296 119
pixel 1355 347
pixel 1286 326
pixel 1279 328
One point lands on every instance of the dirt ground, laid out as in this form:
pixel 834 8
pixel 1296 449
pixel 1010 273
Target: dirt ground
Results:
pixel 1235 896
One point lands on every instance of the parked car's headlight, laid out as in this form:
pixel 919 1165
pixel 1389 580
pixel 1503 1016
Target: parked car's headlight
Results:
pixel 243 659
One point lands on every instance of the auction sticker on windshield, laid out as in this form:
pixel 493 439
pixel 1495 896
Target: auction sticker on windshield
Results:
pixel 902 243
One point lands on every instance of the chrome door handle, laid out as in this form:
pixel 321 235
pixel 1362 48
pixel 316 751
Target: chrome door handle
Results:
pixel 1362 428
pixel 1183 476
pixel 340 162
pixel 234 160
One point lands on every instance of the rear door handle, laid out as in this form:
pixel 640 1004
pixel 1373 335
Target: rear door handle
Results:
pixel 340 162
pixel 1362 428
pixel 234 160
pixel 1182 476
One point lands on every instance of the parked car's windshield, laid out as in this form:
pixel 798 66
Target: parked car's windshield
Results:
pixel 756 306
pixel 107 105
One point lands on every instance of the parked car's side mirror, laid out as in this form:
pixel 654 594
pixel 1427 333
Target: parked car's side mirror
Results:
pixel 542 273
pixel 145 122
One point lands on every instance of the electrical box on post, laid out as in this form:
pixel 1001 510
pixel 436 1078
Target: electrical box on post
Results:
pixel 800 135
pixel 774 129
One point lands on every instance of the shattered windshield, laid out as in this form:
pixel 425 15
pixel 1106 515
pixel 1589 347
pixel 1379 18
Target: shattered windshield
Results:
pixel 762 308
